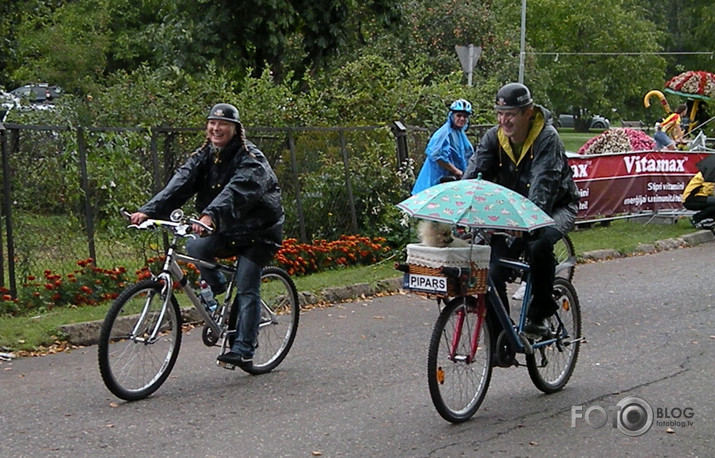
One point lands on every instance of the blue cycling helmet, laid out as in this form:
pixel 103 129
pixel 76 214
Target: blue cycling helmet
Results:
pixel 461 105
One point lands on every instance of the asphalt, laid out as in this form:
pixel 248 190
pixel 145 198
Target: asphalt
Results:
pixel 84 334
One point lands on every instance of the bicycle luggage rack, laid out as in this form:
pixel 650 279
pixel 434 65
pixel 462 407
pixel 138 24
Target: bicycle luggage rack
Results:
pixel 445 272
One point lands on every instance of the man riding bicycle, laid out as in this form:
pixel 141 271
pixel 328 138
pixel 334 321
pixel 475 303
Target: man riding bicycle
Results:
pixel 524 153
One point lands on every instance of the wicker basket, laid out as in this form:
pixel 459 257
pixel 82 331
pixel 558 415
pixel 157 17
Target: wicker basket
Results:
pixel 428 261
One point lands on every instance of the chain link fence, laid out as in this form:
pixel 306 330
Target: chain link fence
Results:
pixel 62 188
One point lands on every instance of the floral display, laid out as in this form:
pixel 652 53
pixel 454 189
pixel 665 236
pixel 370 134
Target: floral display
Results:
pixel 91 286
pixel 302 258
pixel 618 140
pixel 702 83
pixel 88 285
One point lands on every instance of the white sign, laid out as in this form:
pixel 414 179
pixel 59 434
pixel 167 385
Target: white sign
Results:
pixel 427 283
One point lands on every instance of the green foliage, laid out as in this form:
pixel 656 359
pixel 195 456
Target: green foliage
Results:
pixel 65 48
pixel 604 81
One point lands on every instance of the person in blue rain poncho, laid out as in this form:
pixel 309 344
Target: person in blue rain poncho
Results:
pixel 448 150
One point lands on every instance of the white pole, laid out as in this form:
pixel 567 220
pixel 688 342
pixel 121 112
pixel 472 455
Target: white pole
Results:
pixel 471 65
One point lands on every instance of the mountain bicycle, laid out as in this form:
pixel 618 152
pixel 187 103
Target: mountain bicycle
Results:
pixel 141 335
pixel 465 345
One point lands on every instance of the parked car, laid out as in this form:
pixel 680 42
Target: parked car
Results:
pixel 595 122
pixel 37 95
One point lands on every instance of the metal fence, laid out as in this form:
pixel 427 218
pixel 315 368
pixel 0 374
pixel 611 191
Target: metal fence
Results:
pixel 61 185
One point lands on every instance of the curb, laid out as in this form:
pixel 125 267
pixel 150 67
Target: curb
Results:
pixel 84 334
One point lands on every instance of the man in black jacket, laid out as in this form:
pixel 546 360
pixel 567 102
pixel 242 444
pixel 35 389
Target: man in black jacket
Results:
pixel 524 153
pixel 237 194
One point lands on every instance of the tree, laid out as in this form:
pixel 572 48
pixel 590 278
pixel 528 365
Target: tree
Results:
pixel 593 68
pixel 688 27
pixel 65 47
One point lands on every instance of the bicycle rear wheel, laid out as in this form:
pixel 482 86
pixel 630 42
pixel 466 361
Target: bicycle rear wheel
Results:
pixel 138 344
pixel 280 313
pixel 457 382
pixel 551 367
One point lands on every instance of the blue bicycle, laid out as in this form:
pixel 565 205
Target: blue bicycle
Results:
pixel 465 345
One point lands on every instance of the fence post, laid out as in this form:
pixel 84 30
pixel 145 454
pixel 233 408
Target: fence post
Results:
pixel 400 132
pixel 81 146
pixel 348 183
pixel 6 212
pixel 7 209
pixel 296 185
pixel 156 186
pixel 3 148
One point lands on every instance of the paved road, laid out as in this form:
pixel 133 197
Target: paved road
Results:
pixel 354 385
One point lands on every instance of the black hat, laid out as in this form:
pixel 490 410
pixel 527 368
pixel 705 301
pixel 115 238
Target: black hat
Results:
pixel 225 112
pixel 513 95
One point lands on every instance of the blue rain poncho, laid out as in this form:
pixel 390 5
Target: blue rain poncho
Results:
pixel 449 144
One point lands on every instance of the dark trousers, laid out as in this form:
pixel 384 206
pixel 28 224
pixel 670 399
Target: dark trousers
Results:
pixel 704 205
pixel 540 256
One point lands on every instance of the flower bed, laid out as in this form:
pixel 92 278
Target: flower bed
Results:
pixel 618 140
pixel 90 285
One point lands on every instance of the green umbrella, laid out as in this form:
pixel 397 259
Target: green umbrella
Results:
pixel 476 203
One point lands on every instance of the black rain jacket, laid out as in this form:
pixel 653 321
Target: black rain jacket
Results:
pixel 236 186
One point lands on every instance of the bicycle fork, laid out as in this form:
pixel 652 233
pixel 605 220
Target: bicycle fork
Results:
pixel 459 327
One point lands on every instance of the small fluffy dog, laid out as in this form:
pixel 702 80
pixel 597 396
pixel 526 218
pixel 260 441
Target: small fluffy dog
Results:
pixel 436 234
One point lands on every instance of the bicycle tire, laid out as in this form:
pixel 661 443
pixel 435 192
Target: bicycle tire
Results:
pixel 457 385
pixel 563 251
pixel 131 367
pixel 551 367
pixel 280 314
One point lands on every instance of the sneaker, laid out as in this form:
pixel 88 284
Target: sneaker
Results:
pixel 706 223
pixel 519 294
pixel 536 328
pixel 235 359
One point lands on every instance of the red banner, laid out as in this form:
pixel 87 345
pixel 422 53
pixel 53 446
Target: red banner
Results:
pixel 632 182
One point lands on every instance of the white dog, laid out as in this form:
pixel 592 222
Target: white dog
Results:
pixel 437 234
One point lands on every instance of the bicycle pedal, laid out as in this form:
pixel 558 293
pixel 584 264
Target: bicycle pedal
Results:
pixel 228 366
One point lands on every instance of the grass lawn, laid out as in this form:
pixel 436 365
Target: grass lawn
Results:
pixel 574 140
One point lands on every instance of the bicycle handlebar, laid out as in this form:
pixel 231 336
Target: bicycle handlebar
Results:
pixel 182 228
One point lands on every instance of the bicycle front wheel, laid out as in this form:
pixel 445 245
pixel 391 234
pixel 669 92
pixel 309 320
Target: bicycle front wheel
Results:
pixel 459 376
pixel 139 341
pixel 280 312
pixel 551 367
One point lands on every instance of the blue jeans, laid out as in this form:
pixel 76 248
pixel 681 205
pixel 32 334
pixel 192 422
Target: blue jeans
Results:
pixel 662 140
pixel 247 303
pixel 208 248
